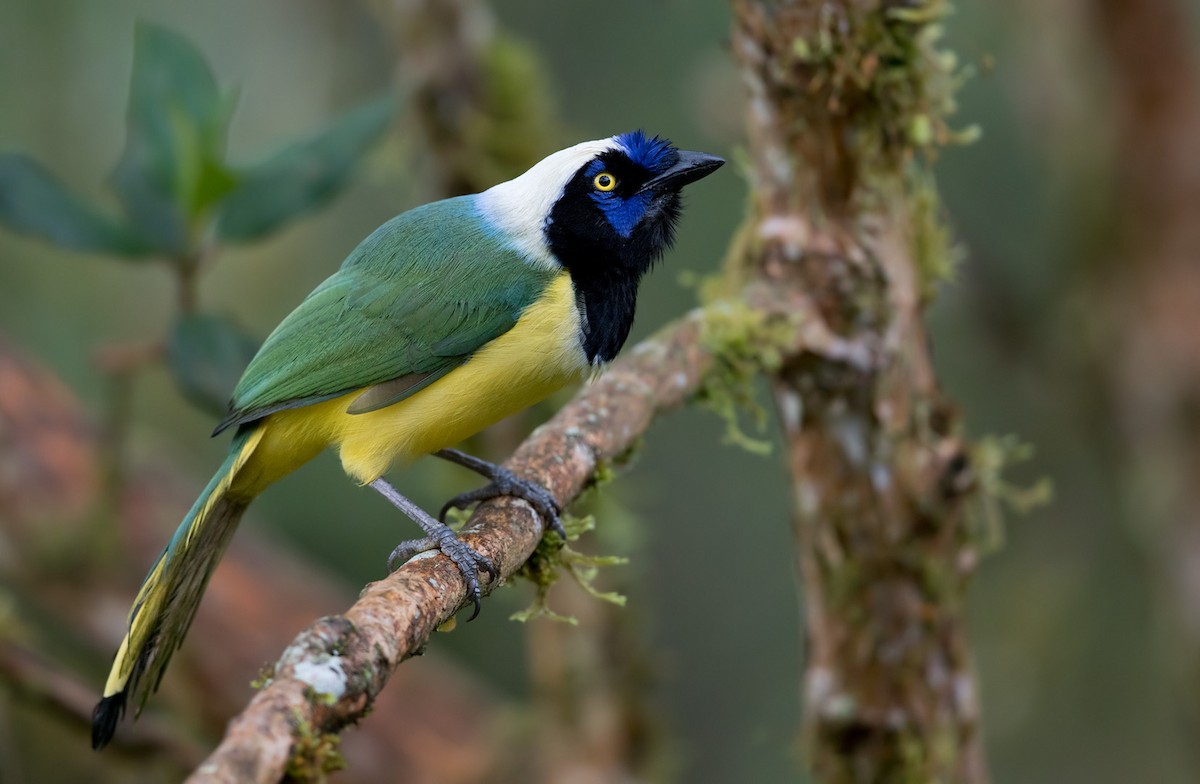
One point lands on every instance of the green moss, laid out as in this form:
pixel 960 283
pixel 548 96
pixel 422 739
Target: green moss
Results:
pixel 553 558
pixel 878 94
pixel 745 343
pixel 887 73
pixel 314 754
pixel 934 251
pixel 363 679
pixel 266 674
pixel 845 580
pixel 992 458
pixel 941 581
pixel 707 288
pixel 315 697
pixel 607 470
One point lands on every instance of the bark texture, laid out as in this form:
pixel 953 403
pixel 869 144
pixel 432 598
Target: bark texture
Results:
pixel 880 471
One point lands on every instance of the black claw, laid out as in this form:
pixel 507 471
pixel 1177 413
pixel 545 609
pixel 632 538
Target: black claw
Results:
pixel 407 549
pixel 469 563
pixel 557 527
pixel 504 482
pixel 463 500
pixel 485 565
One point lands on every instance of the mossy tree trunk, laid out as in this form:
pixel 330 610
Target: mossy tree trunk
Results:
pixel 845 101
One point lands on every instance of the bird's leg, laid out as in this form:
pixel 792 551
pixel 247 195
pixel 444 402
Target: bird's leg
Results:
pixel 439 537
pixel 503 482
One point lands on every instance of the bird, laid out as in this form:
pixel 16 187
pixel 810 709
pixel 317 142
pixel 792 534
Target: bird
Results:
pixel 446 319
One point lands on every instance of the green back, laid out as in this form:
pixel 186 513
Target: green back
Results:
pixel 419 296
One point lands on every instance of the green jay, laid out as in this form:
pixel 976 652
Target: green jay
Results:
pixel 446 319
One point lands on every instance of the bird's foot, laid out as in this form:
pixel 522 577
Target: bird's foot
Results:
pixel 439 537
pixel 503 482
pixel 468 560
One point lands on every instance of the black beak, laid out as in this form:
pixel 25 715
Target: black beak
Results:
pixel 691 167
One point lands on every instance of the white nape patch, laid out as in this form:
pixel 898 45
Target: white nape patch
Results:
pixel 520 207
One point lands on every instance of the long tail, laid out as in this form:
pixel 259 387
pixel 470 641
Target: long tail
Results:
pixel 167 601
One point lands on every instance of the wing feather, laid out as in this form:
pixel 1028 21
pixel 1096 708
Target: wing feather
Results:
pixel 415 300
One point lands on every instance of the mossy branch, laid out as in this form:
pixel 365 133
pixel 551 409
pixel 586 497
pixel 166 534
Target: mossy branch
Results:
pixel 848 101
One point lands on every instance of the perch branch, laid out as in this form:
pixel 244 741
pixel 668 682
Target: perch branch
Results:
pixel 330 674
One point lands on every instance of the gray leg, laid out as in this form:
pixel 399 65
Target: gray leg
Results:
pixel 503 482
pixel 439 537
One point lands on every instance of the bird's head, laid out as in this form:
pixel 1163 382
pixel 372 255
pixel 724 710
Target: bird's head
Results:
pixel 606 208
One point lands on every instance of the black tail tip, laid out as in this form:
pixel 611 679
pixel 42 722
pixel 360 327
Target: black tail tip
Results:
pixel 105 717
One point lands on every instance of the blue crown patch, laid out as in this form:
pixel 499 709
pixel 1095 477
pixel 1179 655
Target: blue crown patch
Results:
pixel 654 154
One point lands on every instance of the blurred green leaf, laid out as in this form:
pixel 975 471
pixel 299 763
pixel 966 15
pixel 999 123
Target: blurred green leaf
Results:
pixel 206 355
pixel 148 208
pixel 178 122
pixel 302 176
pixel 33 202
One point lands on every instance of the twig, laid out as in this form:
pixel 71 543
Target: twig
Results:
pixel 120 363
pixel 329 675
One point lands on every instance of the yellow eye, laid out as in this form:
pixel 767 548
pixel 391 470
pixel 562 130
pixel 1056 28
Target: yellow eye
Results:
pixel 604 182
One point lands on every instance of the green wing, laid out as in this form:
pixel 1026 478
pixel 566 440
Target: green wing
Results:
pixel 410 304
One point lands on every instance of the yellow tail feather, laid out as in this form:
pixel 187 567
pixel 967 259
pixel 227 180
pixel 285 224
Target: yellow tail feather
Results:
pixel 167 601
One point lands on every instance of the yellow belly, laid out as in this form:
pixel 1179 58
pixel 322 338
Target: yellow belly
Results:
pixel 538 356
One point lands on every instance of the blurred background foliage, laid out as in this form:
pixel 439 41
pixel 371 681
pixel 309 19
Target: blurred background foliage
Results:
pixel 1086 666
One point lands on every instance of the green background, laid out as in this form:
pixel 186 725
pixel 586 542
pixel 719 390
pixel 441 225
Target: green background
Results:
pixel 1077 659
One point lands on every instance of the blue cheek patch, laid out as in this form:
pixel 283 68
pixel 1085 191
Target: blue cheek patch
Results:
pixel 623 214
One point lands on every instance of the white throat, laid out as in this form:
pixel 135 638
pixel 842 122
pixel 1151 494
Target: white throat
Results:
pixel 519 208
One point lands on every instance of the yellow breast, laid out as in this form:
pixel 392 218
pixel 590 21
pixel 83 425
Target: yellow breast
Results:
pixel 538 356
